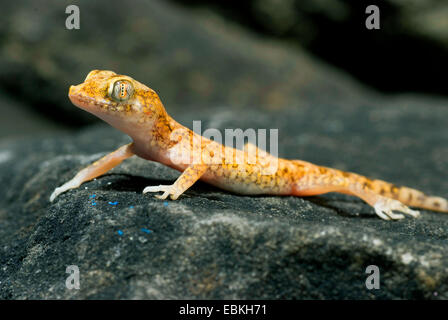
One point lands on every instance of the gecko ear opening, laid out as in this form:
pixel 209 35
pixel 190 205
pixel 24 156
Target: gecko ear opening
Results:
pixel 120 90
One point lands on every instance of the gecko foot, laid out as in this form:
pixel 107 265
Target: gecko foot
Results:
pixel 72 184
pixel 384 208
pixel 167 191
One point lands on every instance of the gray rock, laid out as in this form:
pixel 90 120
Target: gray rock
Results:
pixel 212 244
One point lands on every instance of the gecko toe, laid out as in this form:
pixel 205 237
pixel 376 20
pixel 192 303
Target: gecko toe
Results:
pixel 167 191
pixel 395 216
pixel 386 206
pixel 163 196
pixel 381 214
pixel 156 189
pixel 55 193
pixel 414 213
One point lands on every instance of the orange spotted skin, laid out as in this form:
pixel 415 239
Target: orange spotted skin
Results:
pixel 137 110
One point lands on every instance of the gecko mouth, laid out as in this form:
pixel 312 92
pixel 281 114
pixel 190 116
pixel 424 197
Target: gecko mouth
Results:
pixel 85 102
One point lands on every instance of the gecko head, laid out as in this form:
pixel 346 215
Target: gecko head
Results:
pixel 117 99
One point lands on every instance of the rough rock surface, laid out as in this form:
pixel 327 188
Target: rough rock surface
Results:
pixel 212 244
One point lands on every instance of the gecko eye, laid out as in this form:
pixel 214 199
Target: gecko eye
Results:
pixel 121 90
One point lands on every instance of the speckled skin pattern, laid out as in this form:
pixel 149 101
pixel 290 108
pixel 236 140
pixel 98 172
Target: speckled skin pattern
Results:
pixel 137 110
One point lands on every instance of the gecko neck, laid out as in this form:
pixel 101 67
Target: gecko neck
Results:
pixel 153 141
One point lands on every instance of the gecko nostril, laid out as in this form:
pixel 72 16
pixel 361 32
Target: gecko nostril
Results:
pixel 73 90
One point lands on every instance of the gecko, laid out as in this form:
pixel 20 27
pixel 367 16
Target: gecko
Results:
pixel 137 110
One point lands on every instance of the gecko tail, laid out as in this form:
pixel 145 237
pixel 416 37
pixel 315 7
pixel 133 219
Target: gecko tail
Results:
pixel 415 198
pixel 408 196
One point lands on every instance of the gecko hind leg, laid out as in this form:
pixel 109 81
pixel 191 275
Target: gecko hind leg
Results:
pixel 384 207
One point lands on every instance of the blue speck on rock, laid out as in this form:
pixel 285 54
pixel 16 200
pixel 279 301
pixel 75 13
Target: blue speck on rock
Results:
pixel 146 230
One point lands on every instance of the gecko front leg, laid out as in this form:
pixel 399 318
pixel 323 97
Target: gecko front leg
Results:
pixel 96 169
pixel 185 181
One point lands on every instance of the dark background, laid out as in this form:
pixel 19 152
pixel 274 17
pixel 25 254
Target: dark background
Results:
pixel 411 48
pixel 194 54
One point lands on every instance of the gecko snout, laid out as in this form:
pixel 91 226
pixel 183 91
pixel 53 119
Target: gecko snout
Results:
pixel 73 90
